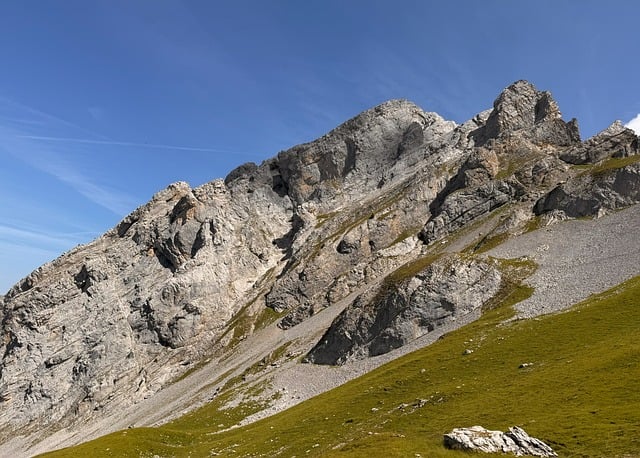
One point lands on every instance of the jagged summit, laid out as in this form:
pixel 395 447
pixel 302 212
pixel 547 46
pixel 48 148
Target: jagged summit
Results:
pixel 355 220
pixel 522 108
pixel 357 156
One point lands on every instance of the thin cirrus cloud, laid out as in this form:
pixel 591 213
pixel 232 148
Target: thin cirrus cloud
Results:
pixel 31 237
pixel 20 124
pixel 113 200
pixel 634 124
pixel 13 111
pixel 54 164
pixel 40 140
pixel 130 144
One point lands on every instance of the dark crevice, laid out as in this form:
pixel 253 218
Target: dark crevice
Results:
pixel 350 160
pixel 164 260
pixel 435 207
pixel 123 227
pixel 279 186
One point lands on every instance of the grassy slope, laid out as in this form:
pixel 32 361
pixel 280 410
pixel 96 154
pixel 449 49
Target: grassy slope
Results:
pixel 580 395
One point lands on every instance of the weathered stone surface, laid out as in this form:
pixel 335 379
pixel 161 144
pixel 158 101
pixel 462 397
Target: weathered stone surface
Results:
pixel 522 109
pixel 401 312
pixel 512 160
pixel 108 323
pixel 594 193
pixel 464 206
pixel 615 141
pixel 389 161
pixel 358 156
pixel 515 441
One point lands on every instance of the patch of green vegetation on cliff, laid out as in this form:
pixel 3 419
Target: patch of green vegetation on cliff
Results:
pixel 577 391
pixel 607 165
pixel 614 163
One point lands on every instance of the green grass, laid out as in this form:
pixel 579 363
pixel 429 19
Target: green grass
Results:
pixel 606 165
pixel 580 394
pixel 614 163
pixel 410 269
pixel 406 234
pixel 488 242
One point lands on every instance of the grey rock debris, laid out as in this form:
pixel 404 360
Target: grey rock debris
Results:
pixel 515 441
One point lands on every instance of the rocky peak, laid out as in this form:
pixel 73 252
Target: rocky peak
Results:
pixel 358 156
pixel 521 105
pixel 615 128
pixel 533 113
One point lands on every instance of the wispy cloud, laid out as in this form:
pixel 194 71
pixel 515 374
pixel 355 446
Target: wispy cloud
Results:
pixel 129 144
pixel 56 165
pixel 31 237
pixel 634 124
pixel 20 140
pixel 116 201
pixel 28 114
pixel 54 146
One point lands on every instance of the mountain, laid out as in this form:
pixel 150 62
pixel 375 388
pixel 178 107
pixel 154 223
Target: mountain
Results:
pixel 350 250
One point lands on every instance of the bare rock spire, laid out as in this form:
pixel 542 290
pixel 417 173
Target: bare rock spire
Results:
pixel 524 109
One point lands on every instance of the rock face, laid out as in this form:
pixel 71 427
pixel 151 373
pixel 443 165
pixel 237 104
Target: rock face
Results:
pixel 190 272
pixel 406 309
pixel 513 162
pixel 385 149
pixel 515 441
pixel 615 141
pixel 594 192
pixel 109 323
pixel 522 109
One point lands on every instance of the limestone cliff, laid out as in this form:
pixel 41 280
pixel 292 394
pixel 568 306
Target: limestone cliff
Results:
pixel 194 271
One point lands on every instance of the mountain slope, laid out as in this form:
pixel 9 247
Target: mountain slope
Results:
pixel 381 223
pixel 567 378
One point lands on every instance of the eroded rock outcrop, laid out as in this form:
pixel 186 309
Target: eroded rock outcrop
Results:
pixel 615 141
pixel 594 192
pixel 514 158
pixel 109 323
pixel 515 441
pixel 392 149
pixel 405 309
pixel 523 110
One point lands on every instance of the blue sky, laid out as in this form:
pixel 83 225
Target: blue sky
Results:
pixel 103 103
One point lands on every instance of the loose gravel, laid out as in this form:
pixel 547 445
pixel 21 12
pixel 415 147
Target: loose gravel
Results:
pixel 577 258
